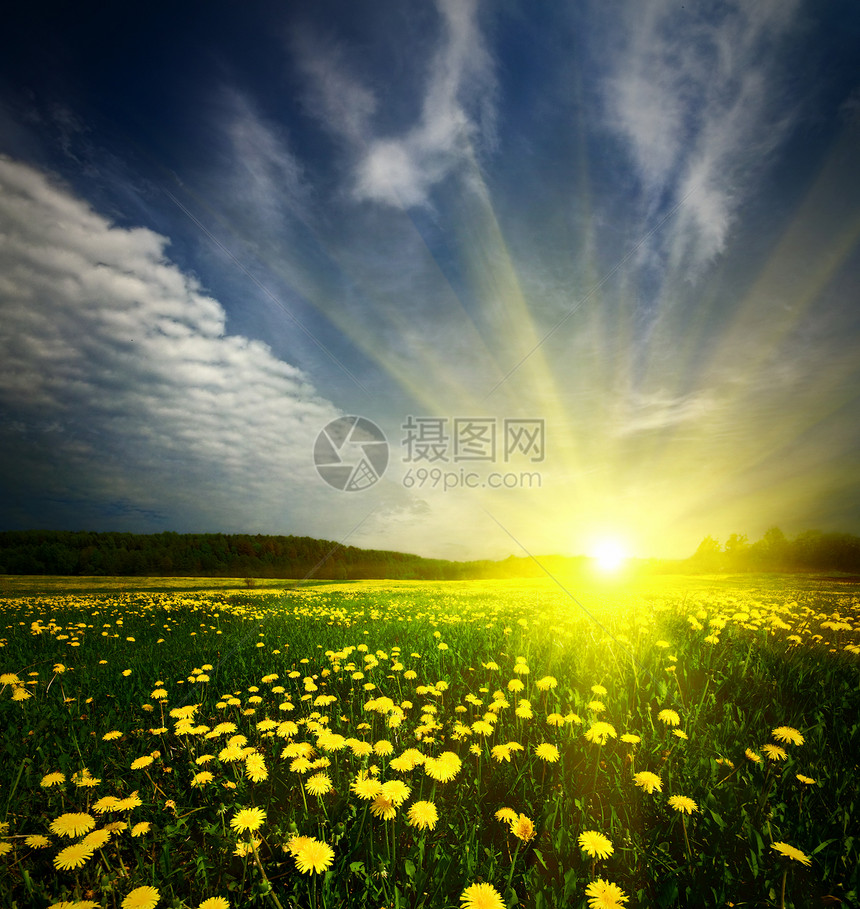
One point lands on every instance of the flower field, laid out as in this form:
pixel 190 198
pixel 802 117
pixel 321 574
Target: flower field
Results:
pixel 682 742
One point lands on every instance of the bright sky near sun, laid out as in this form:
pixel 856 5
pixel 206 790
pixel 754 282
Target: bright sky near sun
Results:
pixel 592 269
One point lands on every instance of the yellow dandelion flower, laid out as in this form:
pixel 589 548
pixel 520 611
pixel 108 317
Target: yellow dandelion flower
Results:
pixel 546 683
pixel 5 848
pixel 775 753
pixel 312 856
pixel 140 829
pixel 300 765
pixel 110 736
pixel 547 752
pixel 669 717
pixel 84 780
pixel 319 784
pixel 683 804
pixel 555 719
pixel 230 753
pixel 396 791
pixel 481 896
pixel 141 763
pixel 605 895
pixel 129 802
pixel 444 768
pixel 599 690
pixel 508 815
pixel 72 857
pixel 523 828
pixel 383 808
pixel 806 780
pixel 142 898
pixel 96 839
pixel 295 843
pixel 422 815
pixel 679 733
pixel 501 753
pixel 647 781
pixel 201 779
pixel 248 819
pixel 53 779
pixel 247 847
pixel 73 824
pixel 599 732
pixel 788 735
pixel 630 739
pixel 790 852
pixel 214 902
pixel 255 768
pixel 37 841
pixel 366 787
pixel 752 756
pixel 595 844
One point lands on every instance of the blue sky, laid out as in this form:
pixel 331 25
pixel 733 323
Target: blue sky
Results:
pixel 223 226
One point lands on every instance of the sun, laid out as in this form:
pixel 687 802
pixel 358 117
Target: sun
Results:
pixel 609 555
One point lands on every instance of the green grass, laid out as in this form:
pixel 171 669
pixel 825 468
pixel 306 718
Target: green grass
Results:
pixel 735 658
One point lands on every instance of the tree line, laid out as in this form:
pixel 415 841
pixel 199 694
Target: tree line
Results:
pixel 169 554
pixel 808 551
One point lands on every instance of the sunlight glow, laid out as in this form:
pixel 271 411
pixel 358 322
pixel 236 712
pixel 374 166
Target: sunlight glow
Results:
pixel 609 556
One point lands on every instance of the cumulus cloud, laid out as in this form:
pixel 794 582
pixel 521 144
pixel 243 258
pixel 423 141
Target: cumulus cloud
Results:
pixel 119 385
pixel 695 95
pixel 457 111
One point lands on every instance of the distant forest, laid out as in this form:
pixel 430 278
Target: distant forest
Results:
pixel 809 551
pixel 209 555
pixel 56 552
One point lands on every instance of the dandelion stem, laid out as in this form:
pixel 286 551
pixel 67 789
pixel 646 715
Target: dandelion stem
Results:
pixel 302 790
pixel 689 851
pixel 594 781
pixel 513 865
pixel 155 785
pixel 271 892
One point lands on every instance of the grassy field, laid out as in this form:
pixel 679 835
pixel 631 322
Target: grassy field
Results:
pixel 192 743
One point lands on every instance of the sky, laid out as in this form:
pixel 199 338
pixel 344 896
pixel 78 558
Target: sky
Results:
pixel 465 279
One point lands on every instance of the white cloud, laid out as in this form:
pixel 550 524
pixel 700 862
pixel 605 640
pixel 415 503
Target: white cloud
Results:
pixel 457 111
pixel 119 384
pixel 695 95
pixel 334 94
pixel 651 412
pixel 261 180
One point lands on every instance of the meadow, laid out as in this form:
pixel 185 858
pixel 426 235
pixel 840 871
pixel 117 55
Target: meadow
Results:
pixel 672 742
